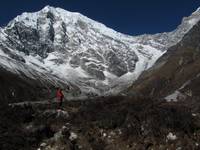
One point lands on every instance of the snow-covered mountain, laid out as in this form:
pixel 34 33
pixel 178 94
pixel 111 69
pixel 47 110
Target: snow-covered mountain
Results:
pixel 67 48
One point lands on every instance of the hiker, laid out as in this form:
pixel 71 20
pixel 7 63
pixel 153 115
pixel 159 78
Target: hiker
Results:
pixel 60 97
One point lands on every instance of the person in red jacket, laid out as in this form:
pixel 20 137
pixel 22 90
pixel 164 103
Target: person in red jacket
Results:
pixel 60 97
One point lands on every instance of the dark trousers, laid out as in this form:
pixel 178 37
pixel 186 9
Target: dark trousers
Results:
pixel 60 101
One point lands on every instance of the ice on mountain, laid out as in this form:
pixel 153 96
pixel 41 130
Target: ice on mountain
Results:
pixel 73 48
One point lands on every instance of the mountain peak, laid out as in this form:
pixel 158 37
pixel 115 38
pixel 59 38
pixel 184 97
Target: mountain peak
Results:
pixel 60 11
pixel 46 8
pixel 56 10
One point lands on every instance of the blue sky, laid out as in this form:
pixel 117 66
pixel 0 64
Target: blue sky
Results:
pixel 131 17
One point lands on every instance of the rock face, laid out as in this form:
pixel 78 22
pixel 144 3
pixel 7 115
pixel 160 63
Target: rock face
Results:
pixel 69 48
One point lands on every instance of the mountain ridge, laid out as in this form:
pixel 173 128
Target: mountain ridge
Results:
pixel 82 52
pixel 175 75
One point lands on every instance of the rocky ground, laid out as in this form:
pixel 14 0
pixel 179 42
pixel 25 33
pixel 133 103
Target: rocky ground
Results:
pixel 107 123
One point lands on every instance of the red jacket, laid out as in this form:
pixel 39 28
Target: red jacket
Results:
pixel 59 94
